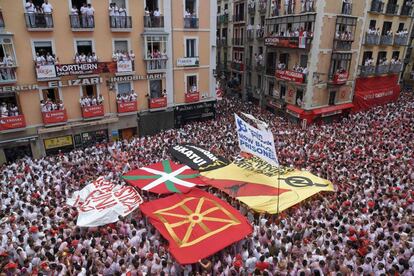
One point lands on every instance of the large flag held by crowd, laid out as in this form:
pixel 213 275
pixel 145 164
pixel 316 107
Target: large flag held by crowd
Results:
pixel 102 202
pixel 196 224
pixel 165 177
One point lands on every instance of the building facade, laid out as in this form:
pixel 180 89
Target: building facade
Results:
pixel 306 59
pixel 75 74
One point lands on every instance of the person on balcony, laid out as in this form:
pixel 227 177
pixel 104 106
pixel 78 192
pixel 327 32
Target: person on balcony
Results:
pixel 251 4
pixel 84 15
pixel 112 14
pixel 122 17
pixel 50 59
pixel 82 58
pixel 164 93
pixel 187 16
pixel 30 10
pixel 157 18
pixel 74 17
pixel 48 10
pixel 147 17
pixel 90 13
pixel 274 8
pixel 40 60
pixel 131 56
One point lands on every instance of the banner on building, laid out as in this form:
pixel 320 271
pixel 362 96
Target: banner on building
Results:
pixel 45 71
pixel 54 117
pixel 124 66
pixel 265 188
pixel 197 158
pixel 188 61
pixel 102 202
pixel 290 76
pixel 58 142
pixel 12 122
pixel 258 142
pixel 93 111
pixel 192 97
pixel 165 177
pixel 158 102
pixel 125 107
pixel 196 224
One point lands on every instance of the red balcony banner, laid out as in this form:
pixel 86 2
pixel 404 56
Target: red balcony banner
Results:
pixel 54 117
pixel 290 76
pixel 370 92
pixel 192 97
pixel 158 102
pixel 340 78
pixel 93 111
pixel 286 42
pixel 13 122
pixel 125 107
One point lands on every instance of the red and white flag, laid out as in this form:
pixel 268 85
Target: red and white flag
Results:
pixel 102 202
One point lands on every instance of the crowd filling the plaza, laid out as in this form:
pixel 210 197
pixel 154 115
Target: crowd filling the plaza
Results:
pixel 341 202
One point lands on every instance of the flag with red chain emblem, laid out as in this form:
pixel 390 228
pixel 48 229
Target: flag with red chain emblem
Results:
pixel 165 177
pixel 196 224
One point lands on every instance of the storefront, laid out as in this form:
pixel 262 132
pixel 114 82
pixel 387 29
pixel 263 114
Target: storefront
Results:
pixel 87 139
pixel 193 112
pixel 58 144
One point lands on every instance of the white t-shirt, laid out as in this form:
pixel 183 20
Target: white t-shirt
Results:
pixel 30 7
pixel 47 8
pixel 90 11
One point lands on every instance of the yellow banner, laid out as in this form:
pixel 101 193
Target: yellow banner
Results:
pixel 58 142
pixel 257 184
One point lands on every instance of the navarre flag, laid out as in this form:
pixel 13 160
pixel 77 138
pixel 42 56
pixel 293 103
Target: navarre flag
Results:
pixel 196 224
pixel 102 202
pixel 165 177
pixel 265 188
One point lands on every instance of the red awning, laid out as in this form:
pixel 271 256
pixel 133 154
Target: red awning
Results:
pixel 332 109
pixel 295 109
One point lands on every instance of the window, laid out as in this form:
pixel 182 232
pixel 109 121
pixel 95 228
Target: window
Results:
pixel 89 91
pixel 120 3
pixel 400 27
pixel 282 91
pixel 155 44
pixel 121 46
pixel 51 94
pixel 270 88
pixel 43 47
pixel 382 56
pixel 124 87
pixel 395 54
pixel 192 85
pixel 252 21
pixel 339 63
pixel 367 55
pixel 152 5
pixel 218 9
pixel 386 27
pixel 155 88
pixel 84 47
pixel 284 59
pixel 191 47
pixel 6 49
pixel 303 61
pixel 299 97
pixel 332 96
pixel 78 3
pixel 191 6
pixel 249 79
pixel 372 24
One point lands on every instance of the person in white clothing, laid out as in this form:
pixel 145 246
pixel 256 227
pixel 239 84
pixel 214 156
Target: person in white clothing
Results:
pixel 74 17
pixel 122 17
pixel 48 10
pixel 83 11
pixel 30 10
pixel 90 13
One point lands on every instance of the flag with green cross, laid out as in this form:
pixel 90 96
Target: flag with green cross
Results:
pixel 165 177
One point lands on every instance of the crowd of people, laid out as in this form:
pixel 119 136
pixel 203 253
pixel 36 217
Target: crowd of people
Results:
pixel 344 35
pixel 118 16
pixel 8 110
pixel 91 100
pixel 298 32
pixel 153 18
pixel 48 105
pixel 82 58
pixel 83 17
pixel 46 58
pixel 39 16
pixel 365 227
pixel 130 96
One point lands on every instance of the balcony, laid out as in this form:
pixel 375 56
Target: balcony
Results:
pixel 386 40
pixel 156 65
pixel 251 10
pixel 55 117
pixel 339 78
pixel 238 41
pixel 396 68
pixel 342 45
pixel 237 66
pixel 153 22
pixel 93 112
pixel 400 40
pixel 262 7
pixel 291 76
pixel 406 11
pixel 260 34
pixel 372 39
pixel 155 103
pixel 377 6
pixel 346 9
pixel 8 74
pixel 191 23
pixel 392 9
pixel 80 23
pixel 238 18
pixel 366 70
pixel 120 23
pixel 39 21
pixel 192 97
pixel 382 69
pixel 12 123
pixel 127 107
pixel 250 35
pixel 288 42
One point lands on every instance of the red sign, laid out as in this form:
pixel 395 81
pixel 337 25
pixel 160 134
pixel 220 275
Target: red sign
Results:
pixel 12 122
pixel 196 224
pixel 54 117
pixel 290 76
pixel 340 78
pixel 93 111
pixel 158 102
pixel 125 107
pixel 192 97
pixel 286 42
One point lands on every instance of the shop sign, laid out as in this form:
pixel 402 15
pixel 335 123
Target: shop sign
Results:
pixel 137 77
pixel 58 142
pixel 192 97
pixel 290 76
pixel 188 61
pixel 125 107
pixel 75 82
pixel 12 122
pixel 17 88
pixel 93 111
pixel 124 66
pixel 292 113
pixel 193 107
pixel 54 117
pixel 158 102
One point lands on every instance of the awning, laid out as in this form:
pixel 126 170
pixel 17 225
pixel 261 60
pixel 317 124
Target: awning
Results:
pixel 295 109
pixel 332 110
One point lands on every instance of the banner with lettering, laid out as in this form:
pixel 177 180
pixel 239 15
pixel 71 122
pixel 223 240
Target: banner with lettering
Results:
pixel 258 142
pixel 197 158
pixel 102 202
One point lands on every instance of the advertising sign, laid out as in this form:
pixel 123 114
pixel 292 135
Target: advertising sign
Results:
pixel 158 102
pixel 125 107
pixel 188 61
pixel 290 76
pixel 85 68
pixel 13 122
pixel 93 111
pixel 192 97
pixel 58 142
pixel 54 117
